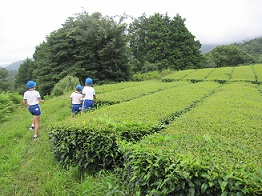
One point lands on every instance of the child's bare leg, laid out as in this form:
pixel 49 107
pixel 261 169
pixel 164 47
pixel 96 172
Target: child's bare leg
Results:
pixel 33 121
pixel 37 124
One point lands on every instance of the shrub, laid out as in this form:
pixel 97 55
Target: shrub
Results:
pixel 92 144
pixel 8 103
pixel 66 84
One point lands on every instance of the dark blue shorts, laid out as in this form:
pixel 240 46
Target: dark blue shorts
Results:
pixel 76 108
pixel 35 110
pixel 88 104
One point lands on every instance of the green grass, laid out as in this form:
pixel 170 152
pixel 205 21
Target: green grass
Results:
pixel 28 167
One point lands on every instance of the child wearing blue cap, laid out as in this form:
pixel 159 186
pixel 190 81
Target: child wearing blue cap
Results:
pixel 32 99
pixel 76 100
pixel 89 95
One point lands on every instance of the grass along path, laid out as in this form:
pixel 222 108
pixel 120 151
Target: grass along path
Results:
pixel 28 167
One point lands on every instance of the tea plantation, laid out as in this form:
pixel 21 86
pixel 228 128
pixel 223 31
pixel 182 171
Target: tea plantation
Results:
pixel 196 132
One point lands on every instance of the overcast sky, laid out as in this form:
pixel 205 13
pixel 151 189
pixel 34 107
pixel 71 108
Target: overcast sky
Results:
pixel 24 24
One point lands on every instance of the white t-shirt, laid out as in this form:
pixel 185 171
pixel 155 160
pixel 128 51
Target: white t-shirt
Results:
pixel 89 92
pixel 76 98
pixel 32 97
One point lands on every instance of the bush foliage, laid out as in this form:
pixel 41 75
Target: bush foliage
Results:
pixel 181 147
pixel 65 85
pixel 8 103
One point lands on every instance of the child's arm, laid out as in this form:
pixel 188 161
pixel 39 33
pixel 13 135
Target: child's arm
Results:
pixel 41 100
pixel 25 104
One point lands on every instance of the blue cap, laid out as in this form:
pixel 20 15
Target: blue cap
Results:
pixel 89 81
pixel 79 87
pixel 30 84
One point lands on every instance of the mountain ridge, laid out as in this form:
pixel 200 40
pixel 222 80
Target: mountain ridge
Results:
pixel 14 66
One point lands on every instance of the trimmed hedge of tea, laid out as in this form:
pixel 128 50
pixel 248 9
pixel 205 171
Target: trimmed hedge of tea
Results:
pixel 215 149
pixel 177 75
pixel 248 73
pixel 199 74
pixel 104 88
pixel 157 107
pixel 136 91
pixel 243 73
pixel 92 144
pixel 258 72
pixel 130 121
pixel 222 74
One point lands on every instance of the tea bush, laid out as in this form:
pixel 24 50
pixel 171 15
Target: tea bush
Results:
pixel 92 145
pixel 98 139
pixel 213 149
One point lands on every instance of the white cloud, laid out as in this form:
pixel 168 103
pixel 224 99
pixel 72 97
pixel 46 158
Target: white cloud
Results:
pixel 25 24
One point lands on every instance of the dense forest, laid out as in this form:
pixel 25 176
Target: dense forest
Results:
pixel 110 50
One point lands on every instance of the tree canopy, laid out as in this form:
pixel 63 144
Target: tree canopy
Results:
pixel 107 50
pixel 228 55
pixel 163 41
pixel 3 82
pixel 253 48
pixel 25 73
pixel 86 46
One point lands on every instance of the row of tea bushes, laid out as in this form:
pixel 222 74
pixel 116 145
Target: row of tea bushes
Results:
pixel 200 74
pixel 115 86
pixel 136 91
pixel 258 72
pixel 221 74
pixel 243 73
pixel 157 107
pixel 179 75
pixel 215 149
pixel 251 73
pixel 92 145
pixel 92 139
pixel 215 74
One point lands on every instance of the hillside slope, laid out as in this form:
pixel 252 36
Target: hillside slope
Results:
pixel 29 167
pixel 14 65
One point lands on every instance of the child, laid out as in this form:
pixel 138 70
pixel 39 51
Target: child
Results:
pixel 88 95
pixel 32 98
pixel 76 99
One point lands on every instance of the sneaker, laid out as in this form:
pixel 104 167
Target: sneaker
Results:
pixel 31 127
pixel 35 137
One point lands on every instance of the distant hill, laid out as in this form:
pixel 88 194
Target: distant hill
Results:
pixel 207 47
pixel 252 47
pixel 3 65
pixel 14 65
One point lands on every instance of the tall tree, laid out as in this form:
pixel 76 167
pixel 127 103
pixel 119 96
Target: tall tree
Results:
pixel 43 69
pixel 102 48
pixel 25 73
pixel 164 41
pixel 86 46
pixel 4 85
